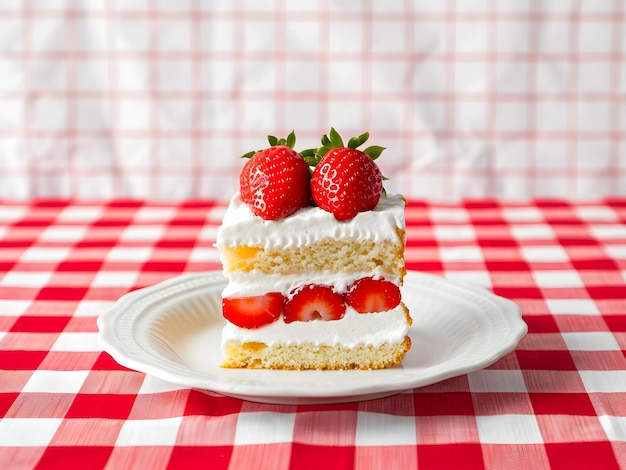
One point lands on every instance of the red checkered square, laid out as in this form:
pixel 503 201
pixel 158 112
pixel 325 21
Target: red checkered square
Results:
pixel 458 456
pixel 581 455
pixel 546 360
pixel 562 404
pixel 62 293
pixel 452 403
pixel 101 406
pixel 616 323
pixel 311 457
pixel 40 324
pixel 21 360
pixel 538 324
pixel 189 456
pixel 6 401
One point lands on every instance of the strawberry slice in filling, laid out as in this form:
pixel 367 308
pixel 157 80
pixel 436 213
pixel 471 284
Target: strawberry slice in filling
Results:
pixel 255 311
pixel 312 302
pixel 369 295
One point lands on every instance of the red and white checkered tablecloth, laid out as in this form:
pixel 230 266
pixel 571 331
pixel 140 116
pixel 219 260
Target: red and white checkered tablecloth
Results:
pixel 158 98
pixel 558 401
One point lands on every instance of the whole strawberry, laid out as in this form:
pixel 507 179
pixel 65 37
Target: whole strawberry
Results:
pixel 346 180
pixel 274 183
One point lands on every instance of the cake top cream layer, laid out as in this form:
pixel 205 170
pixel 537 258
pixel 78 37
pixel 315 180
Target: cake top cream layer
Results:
pixel 308 225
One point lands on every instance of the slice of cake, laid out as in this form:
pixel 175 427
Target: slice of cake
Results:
pixel 313 286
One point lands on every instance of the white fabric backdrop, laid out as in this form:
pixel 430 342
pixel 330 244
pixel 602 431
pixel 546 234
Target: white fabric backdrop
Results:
pixel 157 99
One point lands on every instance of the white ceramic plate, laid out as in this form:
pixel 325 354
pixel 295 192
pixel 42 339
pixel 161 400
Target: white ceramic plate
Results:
pixel 172 331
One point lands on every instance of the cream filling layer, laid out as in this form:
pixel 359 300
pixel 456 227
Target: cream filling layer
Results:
pixel 354 329
pixel 248 284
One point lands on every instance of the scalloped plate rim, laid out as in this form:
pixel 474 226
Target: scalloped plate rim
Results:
pixel 128 352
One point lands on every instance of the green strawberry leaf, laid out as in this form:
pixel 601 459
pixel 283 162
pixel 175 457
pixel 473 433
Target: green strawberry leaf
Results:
pixel 323 150
pixel 291 139
pixel 310 156
pixel 311 161
pixel 335 138
pixel 353 143
pixel 250 154
pixel 363 138
pixel 374 151
pixel 290 142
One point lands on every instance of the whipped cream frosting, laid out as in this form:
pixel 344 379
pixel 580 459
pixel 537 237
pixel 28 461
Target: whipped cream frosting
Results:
pixel 308 225
pixel 352 330
pixel 247 284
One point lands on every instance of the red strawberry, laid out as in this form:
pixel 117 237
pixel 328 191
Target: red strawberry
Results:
pixel 346 180
pixel 311 302
pixel 253 312
pixel 369 295
pixel 274 183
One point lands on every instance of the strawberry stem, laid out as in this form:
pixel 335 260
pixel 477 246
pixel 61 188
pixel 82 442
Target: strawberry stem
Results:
pixel 329 141
pixel 333 140
pixel 289 141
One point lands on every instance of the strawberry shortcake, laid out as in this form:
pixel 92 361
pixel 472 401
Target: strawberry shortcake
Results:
pixel 313 250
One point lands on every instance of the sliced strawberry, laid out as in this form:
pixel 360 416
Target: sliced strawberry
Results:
pixel 274 182
pixel 368 295
pixel 312 302
pixel 253 312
